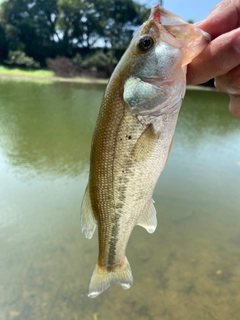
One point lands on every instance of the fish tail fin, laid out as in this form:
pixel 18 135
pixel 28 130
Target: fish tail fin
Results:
pixel 101 278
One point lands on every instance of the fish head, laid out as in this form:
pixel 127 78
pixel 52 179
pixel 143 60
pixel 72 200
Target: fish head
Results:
pixel 163 43
pixel 156 61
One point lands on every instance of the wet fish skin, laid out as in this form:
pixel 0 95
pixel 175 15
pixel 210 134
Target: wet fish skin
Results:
pixel 133 138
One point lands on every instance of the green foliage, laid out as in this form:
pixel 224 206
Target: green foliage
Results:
pixel 77 62
pixel 49 28
pixel 30 26
pixel 84 22
pixel 3 44
pixel 97 64
pixel 120 20
pixel 61 66
pixel 100 61
pixel 20 59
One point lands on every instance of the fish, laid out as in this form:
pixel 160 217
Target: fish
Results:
pixel 133 138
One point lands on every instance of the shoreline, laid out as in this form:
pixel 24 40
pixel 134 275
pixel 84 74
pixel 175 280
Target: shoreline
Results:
pixel 82 80
pixel 51 79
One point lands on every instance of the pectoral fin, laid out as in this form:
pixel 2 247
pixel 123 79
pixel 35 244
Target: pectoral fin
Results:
pixel 87 219
pixel 149 220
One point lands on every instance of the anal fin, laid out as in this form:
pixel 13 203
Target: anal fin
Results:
pixel 149 220
pixel 87 219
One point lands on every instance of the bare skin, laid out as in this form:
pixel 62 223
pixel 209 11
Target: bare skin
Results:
pixel 221 58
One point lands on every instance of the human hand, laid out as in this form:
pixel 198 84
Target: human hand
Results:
pixel 221 58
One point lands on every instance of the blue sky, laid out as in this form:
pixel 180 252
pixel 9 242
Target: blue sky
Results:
pixel 186 9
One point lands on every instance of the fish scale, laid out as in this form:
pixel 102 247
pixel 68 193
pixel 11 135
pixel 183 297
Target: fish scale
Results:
pixel 133 138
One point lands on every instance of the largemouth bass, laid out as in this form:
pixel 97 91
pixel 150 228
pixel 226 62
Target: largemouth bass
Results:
pixel 133 138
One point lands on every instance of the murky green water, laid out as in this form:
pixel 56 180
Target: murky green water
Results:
pixel 189 269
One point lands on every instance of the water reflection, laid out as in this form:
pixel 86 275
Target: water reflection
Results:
pixel 188 269
pixel 48 127
pixel 207 133
pixel 208 120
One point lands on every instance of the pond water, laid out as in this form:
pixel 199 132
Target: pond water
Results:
pixel 189 269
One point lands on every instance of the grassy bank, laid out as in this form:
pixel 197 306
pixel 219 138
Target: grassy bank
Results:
pixel 41 76
pixel 23 72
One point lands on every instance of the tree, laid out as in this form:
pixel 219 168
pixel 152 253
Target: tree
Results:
pixel 47 28
pixel 83 23
pixel 122 18
pixel 3 44
pixel 30 26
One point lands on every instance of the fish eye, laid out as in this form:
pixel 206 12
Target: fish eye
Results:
pixel 145 43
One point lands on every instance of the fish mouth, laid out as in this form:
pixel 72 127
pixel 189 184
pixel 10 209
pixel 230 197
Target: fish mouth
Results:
pixel 156 14
pixel 168 19
pixel 164 17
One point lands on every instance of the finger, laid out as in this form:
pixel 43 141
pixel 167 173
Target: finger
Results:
pixel 219 57
pixel 223 18
pixel 234 105
pixel 230 83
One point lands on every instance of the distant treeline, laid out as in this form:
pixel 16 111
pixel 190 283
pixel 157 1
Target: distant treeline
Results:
pixel 68 36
